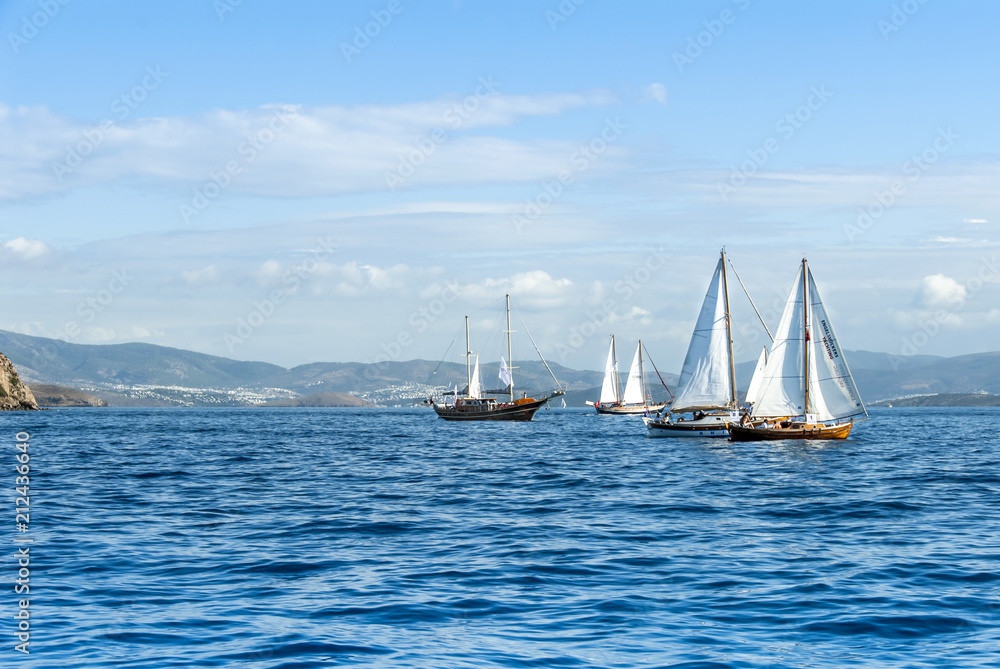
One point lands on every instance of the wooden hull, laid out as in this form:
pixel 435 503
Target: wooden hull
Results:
pixel 519 411
pixel 626 409
pixel 710 426
pixel 818 431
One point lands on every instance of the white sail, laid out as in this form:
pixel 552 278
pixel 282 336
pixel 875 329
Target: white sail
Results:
pixel 505 376
pixel 832 392
pixel 758 373
pixel 705 377
pixel 475 388
pixel 781 386
pixel 609 392
pixel 633 387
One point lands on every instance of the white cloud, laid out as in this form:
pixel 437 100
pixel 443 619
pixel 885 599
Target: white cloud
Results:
pixel 351 279
pixel 269 272
pixel 657 92
pixel 200 277
pixel 938 291
pixel 537 282
pixel 918 319
pixel 534 289
pixel 101 335
pixel 386 267
pixel 26 249
pixel 136 332
pixel 441 207
pixel 967 183
pixel 298 151
pixel 110 335
pixel 503 110
pixel 640 314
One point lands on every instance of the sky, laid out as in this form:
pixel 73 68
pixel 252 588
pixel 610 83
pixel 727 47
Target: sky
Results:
pixel 307 181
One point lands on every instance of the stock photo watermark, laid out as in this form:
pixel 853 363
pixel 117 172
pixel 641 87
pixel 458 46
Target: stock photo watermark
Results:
pixel 786 127
pixel 223 7
pixel 122 106
pixel 698 43
pixel 89 309
pixel 562 12
pixel 32 24
pixel 22 541
pixel 363 35
pixel 751 333
pixel 419 321
pixel 247 151
pixel 454 117
pixel 912 170
pixel 580 161
pixel 930 326
pixel 900 16
pixel 263 309
pixel 626 287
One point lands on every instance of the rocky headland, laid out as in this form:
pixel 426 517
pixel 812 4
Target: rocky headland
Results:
pixel 14 394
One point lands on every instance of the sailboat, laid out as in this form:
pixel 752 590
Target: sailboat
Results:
pixel 706 395
pixel 476 406
pixel 634 400
pixel 806 390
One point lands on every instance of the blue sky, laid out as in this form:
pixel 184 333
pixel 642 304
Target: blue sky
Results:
pixel 768 127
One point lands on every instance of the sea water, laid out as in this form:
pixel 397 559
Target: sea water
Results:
pixel 299 538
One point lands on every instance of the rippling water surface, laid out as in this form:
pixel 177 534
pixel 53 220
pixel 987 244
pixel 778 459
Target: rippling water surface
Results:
pixel 299 538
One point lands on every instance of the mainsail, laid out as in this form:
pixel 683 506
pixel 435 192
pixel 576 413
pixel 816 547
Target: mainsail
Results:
pixel 804 323
pixel 475 388
pixel 705 381
pixel 753 390
pixel 609 390
pixel 633 387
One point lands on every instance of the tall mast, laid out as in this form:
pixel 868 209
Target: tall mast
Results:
pixel 510 356
pixel 614 369
pixel 729 334
pixel 468 356
pixel 642 375
pixel 805 335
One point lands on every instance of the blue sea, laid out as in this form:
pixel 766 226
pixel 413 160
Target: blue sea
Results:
pixel 299 538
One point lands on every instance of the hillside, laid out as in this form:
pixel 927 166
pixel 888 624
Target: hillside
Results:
pixel 15 395
pixel 884 375
pixel 150 375
pixel 945 400
pixel 979 372
pixel 359 377
pixel 43 360
pixel 48 395
pixel 52 361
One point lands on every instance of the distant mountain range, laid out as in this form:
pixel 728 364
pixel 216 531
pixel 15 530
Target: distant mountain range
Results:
pixel 895 376
pixel 150 375
pixel 944 400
